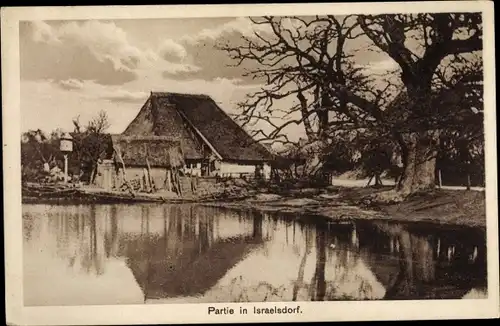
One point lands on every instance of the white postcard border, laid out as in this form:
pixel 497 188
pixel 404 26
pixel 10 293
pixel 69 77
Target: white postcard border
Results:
pixel 197 313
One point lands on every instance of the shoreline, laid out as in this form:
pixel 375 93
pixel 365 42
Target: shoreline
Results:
pixel 334 203
pixel 354 215
pixel 448 208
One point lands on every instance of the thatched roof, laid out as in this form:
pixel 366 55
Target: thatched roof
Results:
pixel 166 122
pixel 160 151
pixel 200 124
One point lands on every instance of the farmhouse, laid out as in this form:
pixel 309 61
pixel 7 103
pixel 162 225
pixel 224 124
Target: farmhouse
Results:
pixel 211 142
pixel 181 134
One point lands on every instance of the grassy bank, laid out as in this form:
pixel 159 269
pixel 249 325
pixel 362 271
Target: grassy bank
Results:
pixel 443 206
pixel 447 207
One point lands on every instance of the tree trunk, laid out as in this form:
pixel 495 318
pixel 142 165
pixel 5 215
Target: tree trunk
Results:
pixel 313 153
pixel 93 174
pixel 419 162
pixel 369 181
pixel 313 165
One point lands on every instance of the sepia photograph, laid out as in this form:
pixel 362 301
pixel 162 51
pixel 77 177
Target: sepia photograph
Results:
pixel 250 162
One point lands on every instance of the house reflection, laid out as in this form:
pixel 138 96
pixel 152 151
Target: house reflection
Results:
pixel 187 254
pixel 186 251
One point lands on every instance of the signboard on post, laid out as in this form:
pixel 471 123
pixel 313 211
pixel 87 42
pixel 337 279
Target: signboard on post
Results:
pixel 66 144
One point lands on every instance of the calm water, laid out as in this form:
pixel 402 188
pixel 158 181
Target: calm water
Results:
pixel 123 254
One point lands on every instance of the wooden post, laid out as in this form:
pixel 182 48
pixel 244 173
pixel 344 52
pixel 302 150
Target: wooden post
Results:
pixel 178 182
pixel 65 168
pixel 141 182
pixel 150 178
pixel 124 175
pixel 169 180
pixel 174 183
pixel 147 180
pixel 468 175
pixel 193 188
pixel 440 179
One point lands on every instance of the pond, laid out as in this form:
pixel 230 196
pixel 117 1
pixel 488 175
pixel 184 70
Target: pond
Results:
pixel 153 253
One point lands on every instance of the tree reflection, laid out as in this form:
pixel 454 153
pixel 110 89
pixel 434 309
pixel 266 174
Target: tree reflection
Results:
pixel 257 226
pixel 300 278
pixel 111 241
pixel 426 272
pixel 404 285
pixel 92 260
pixel 318 282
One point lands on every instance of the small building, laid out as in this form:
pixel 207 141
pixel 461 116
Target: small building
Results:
pixel 211 142
pixel 143 156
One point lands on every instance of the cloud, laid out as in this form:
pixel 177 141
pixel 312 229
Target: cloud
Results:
pixel 43 32
pixel 209 62
pixel 71 84
pixel 121 95
pixel 90 90
pixel 102 51
pixel 103 39
pixel 76 51
pixel 106 42
pixel 94 50
pixel 172 51
pixel 242 26
pixel 382 66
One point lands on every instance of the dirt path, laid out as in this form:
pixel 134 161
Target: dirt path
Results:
pixel 388 182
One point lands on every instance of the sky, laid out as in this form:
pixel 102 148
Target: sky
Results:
pixel 77 68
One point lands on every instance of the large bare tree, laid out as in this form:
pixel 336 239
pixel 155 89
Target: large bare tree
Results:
pixel 312 59
pixel 429 107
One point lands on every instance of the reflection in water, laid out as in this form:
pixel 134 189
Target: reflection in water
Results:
pixel 112 254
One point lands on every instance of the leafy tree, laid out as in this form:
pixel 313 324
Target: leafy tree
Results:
pixel 91 144
pixel 38 151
